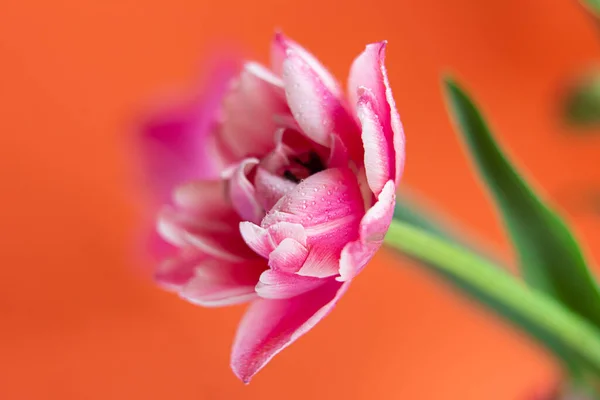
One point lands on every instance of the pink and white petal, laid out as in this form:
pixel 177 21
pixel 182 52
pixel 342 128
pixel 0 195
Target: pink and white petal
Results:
pixel 338 156
pixel 399 141
pixel 248 126
pixel 322 198
pixel 270 187
pixel 176 139
pixel 204 198
pixel 323 261
pixel 172 274
pixel 379 162
pixel 213 237
pixel 282 230
pixel 269 326
pixel 288 256
pixel 243 194
pixel 318 110
pixel 284 285
pixel 257 238
pixel 217 283
pixel 280 49
pixel 373 228
pixel 368 70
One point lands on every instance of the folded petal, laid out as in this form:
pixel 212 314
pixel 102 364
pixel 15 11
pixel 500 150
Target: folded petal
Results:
pixel 249 114
pixel 368 70
pixel 219 283
pixel 257 238
pixel 282 230
pixel 323 260
pixel 379 156
pixel 243 194
pixel 315 98
pixel 373 228
pixel 284 285
pixel 270 325
pixel 288 256
pixel 328 206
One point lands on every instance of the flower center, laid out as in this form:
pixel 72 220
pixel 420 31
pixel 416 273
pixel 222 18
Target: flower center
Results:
pixel 302 166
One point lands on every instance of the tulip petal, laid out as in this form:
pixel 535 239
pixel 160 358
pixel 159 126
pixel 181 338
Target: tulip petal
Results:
pixel 328 206
pixel 378 159
pixel 338 156
pixel 203 199
pixel 174 273
pixel 373 228
pixel 214 237
pixel 284 285
pixel 270 325
pixel 257 238
pixel 327 199
pixel 243 194
pixel 368 70
pixel 288 256
pixel 248 123
pixel 282 230
pixel 177 142
pixel 217 283
pixel 270 187
pixel 315 98
pixel 322 261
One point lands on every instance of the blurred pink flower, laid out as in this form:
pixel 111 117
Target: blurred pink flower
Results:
pixel 281 194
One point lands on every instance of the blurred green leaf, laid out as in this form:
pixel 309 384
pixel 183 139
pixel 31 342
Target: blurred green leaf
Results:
pixel 582 101
pixel 549 256
pixel 592 5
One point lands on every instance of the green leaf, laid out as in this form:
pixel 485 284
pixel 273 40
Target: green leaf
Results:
pixel 549 256
pixel 582 102
pixel 527 307
pixel 410 210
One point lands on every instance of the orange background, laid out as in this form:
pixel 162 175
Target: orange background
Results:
pixel 78 318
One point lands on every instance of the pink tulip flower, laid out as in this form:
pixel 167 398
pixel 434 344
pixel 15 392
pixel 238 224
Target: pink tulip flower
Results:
pixel 281 194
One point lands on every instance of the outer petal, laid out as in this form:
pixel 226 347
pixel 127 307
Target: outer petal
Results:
pixel 176 141
pixel 205 199
pixel 243 194
pixel 174 273
pixel 218 283
pixel 214 237
pixel 368 70
pixel 373 228
pixel 250 110
pixel 269 326
pixel 282 285
pixel 314 98
pixel 379 157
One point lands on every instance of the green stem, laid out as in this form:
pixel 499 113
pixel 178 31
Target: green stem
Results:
pixel 573 332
